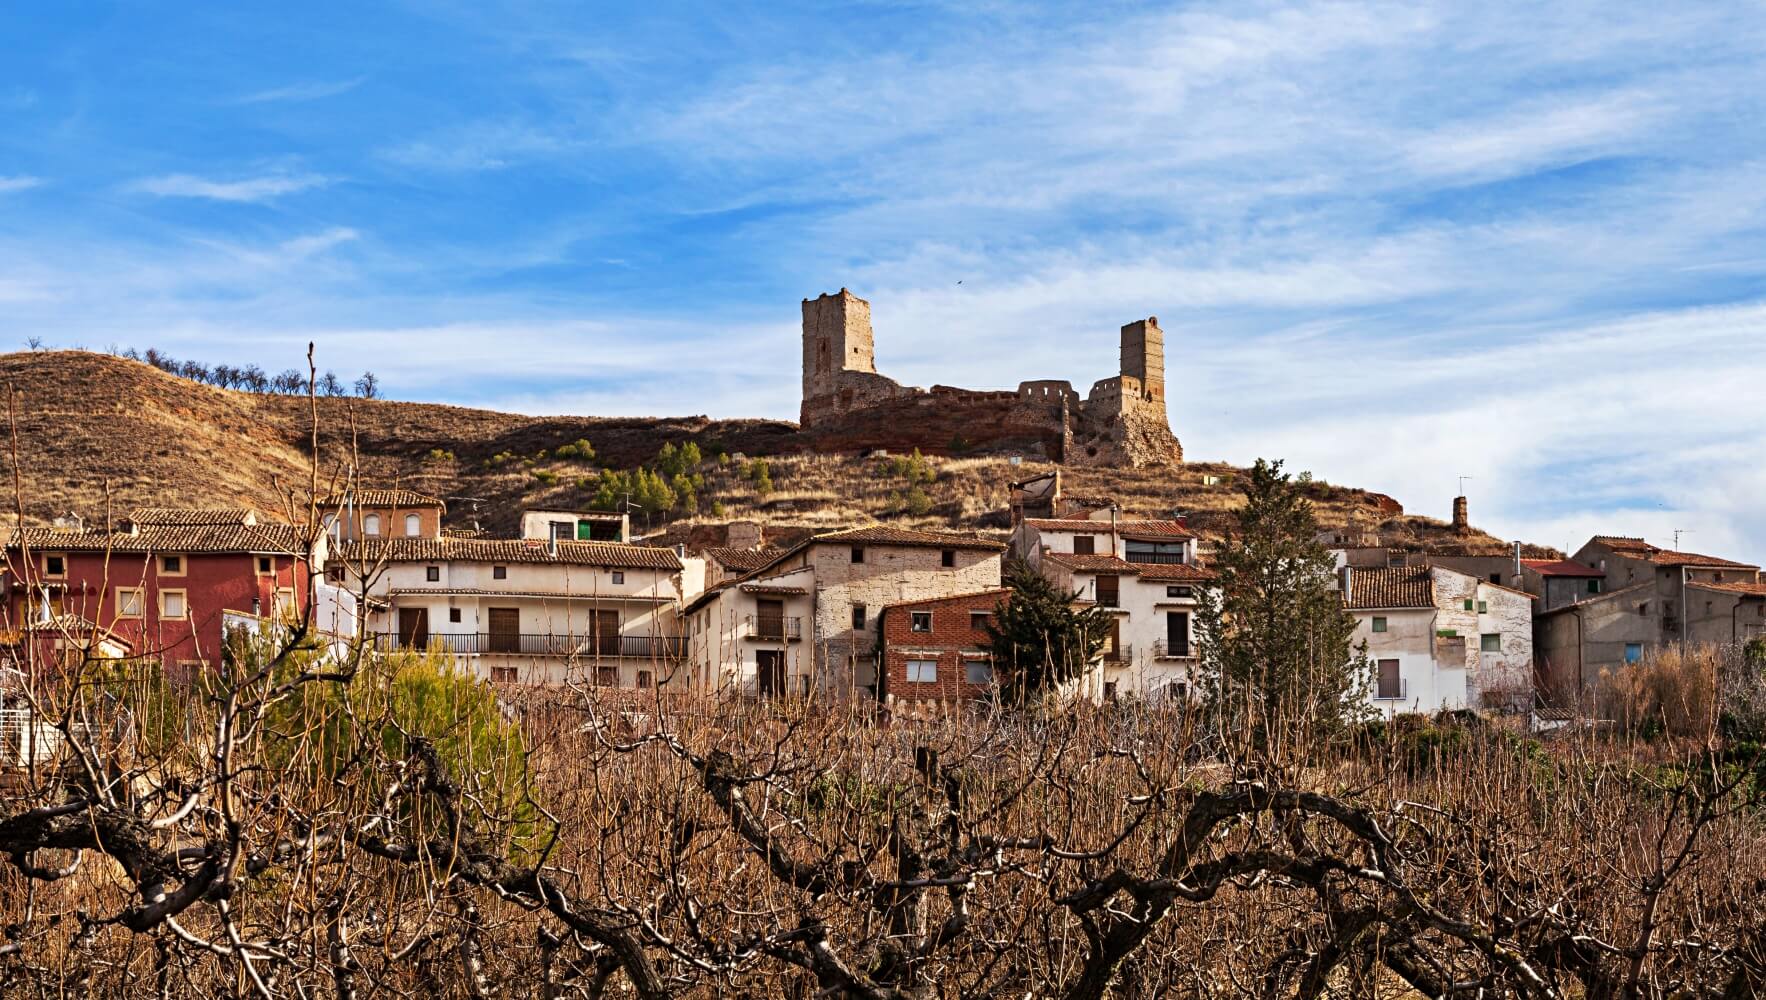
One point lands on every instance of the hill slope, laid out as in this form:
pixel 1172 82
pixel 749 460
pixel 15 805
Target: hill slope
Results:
pixel 95 430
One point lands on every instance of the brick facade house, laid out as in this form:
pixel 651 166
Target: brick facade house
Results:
pixel 936 649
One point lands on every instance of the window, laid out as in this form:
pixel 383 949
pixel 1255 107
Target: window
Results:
pixel 646 679
pixel 172 605
pixel 171 565
pixel 1469 604
pixel 1643 608
pixel 371 524
pixel 334 574
pixel 1084 545
pixel 1496 578
pixel 502 675
pixel 947 558
pixel 607 676
pixel 978 672
pixel 920 621
pixel 499 572
pixel 1180 592
pixel 1490 642
pixel 1594 586
pixel 1108 591
pixel 413 525
pixel 858 553
pixel 1483 607
pixel 55 565
pixel 922 671
pixel 1379 624
pixel 286 608
pixel 1633 652
pixel 858 616
pixel 979 619
pixel 563 531
pixel 619 577
pixel 266 565
pixel 432 574
pixel 130 602
pixel 454 616
pixel 1390 683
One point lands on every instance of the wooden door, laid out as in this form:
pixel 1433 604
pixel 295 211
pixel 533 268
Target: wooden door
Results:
pixel 1113 645
pixel 770 677
pixel 769 619
pixel 1177 633
pixel 1391 683
pixel 414 627
pixel 606 631
pixel 505 630
pixel 1109 591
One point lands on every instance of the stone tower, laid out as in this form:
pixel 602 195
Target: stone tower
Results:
pixel 836 339
pixel 1143 357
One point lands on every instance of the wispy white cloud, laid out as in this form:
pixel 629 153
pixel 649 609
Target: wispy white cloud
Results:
pixel 250 189
pixel 18 183
pixel 300 92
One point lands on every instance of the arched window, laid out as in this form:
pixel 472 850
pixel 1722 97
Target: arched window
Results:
pixel 371 524
pixel 413 525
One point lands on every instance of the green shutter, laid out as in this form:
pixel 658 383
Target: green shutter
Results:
pixel 585 530
pixel 1468 604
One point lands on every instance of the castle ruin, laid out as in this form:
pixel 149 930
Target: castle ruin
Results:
pixel 848 405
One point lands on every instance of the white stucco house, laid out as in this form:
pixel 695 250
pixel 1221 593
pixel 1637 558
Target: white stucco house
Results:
pixel 527 610
pixel 1145 573
pixel 1441 640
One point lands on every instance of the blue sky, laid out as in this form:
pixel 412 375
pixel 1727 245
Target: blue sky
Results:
pixel 1394 243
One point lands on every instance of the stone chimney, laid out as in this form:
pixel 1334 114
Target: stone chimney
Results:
pixel 1462 521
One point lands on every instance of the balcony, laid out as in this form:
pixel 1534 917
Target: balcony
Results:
pixel 639 647
pixel 1165 650
pixel 767 628
pixel 1385 690
pixel 1123 653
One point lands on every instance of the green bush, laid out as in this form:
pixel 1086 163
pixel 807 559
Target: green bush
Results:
pixel 546 476
pixel 579 450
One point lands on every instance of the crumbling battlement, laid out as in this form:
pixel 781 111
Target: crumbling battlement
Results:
pixel 848 405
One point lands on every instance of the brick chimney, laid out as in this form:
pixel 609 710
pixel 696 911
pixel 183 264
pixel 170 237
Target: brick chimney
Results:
pixel 1462 521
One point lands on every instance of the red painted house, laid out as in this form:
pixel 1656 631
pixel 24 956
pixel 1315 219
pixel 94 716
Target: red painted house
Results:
pixel 937 649
pixel 162 581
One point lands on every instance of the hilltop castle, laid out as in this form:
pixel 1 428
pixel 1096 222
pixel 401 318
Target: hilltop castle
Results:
pixel 847 405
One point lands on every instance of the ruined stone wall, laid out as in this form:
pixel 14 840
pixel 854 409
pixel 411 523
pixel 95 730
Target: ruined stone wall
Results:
pixel 848 406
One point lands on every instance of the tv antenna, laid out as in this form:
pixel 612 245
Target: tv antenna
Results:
pixel 1677 533
pixel 1462 484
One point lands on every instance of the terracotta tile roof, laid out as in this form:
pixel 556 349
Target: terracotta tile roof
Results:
pixel 1637 548
pixel 1184 573
pixel 382 498
pixel 1744 589
pixel 883 535
pixel 1398 587
pixel 741 560
pixel 278 539
pixel 1162 530
pixel 762 588
pixel 947 598
pixel 511 550
pixel 550 595
pixel 1648 586
pixel 1561 567
pixel 192 517
pixel 1101 562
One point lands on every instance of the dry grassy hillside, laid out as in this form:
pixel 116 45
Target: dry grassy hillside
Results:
pixel 93 429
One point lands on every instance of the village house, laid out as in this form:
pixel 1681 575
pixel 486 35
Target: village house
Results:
pixel 1644 598
pixel 936 651
pixel 381 513
pixel 1144 573
pixel 526 610
pixel 1441 640
pixel 170 582
pixel 806 621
